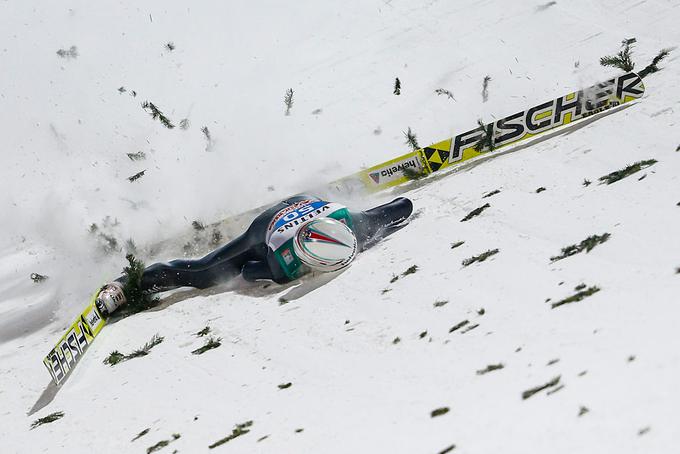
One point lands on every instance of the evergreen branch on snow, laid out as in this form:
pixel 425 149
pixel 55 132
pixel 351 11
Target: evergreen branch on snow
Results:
pixel 652 67
pixel 162 444
pixel 490 368
pixel 72 52
pixel 141 434
pixel 475 212
pixel 447 450
pixel 37 278
pixel 47 419
pixel 411 269
pixel 480 258
pixel 457 244
pixel 492 193
pixel 545 6
pixel 627 171
pixel 469 328
pixel 554 390
pixel 622 59
pixel 116 357
pixel 288 100
pixel 486 140
pixel 439 411
pixel 137 299
pixel 203 332
pixel 136 176
pixel 411 139
pixel 397 86
pixel 156 114
pixel 441 91
pixel 578 296
pixel 208 138
pixel 240 429
pixel 458 326
pixel 530 392
pixel 485 88
pixel 212 342
pixel 586 245
pixel 155 340
pixel 139 156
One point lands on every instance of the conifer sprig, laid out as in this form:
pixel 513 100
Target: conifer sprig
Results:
pixel 441 91
pixel 586 245
pixel 156 114
pixel 480 258
pixel 627 171
pixel 212 342
pixel 622 59
pixel 485 88
pixel 116 357
pixel 652 67
pixel 411 139
pixel 486 140
pixel 288 100
pixel 240 429
pixel 137 299
pixel 47 419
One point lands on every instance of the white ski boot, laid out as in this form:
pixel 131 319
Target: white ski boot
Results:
pixel 110 298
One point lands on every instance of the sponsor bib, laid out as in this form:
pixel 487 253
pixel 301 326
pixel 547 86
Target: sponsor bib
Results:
pixel 286 222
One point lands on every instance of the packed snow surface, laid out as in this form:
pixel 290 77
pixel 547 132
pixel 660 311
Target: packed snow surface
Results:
pixel 371 359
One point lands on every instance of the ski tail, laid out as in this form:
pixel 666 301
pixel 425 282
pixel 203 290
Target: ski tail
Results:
pixel 69 350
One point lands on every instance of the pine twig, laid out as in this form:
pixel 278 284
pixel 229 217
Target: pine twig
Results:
pixel 156 114
pixel 623 59
pixel 486 140
pixel 288 100
pixel 411 139
pixel 652 67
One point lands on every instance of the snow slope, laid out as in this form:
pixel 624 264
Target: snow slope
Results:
pixel 353 389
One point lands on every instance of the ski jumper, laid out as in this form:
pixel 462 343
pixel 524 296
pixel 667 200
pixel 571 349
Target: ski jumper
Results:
pixel 265 250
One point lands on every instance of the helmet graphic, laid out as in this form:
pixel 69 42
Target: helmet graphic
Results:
pixel 325 244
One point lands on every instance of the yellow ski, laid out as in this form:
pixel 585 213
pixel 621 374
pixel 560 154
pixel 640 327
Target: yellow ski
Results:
pixel 61 360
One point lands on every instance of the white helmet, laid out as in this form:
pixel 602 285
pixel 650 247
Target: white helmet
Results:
pixel 110 298
pixel 325 244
